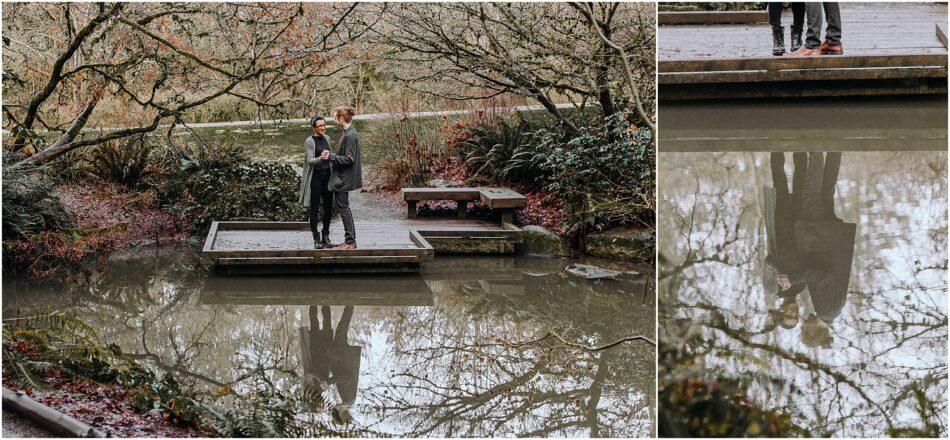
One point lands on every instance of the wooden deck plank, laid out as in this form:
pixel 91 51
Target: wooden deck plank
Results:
pixel 502 198
pixel 761 76
pixel 941 30
pixel 712 17
pixel 773 64
pixel 419 194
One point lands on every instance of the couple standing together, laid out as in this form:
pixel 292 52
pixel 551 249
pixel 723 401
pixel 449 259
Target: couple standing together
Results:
pixel 329 176
pixel 813 45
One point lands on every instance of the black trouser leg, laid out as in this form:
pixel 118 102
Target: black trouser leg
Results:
pixel 343 205
pixel 775 13
pixel 327 198
pixel 798 14
pixel 314 209
pixel 320 195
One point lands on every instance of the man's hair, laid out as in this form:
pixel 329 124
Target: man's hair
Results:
pixel 344 113
pixel 313 120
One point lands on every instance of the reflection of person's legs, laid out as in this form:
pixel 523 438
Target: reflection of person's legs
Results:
pixel 343 205
pixel 812 207
pixel 800 161
pixel 343 327
pixel 779 181
pixel 813 34
pixel 828 181
pixel 327 323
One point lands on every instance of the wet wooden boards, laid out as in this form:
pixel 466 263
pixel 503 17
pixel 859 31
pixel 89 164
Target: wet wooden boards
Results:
pixel 712 17
pixel 385 246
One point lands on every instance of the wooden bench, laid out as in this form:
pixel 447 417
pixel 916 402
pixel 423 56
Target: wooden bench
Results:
pixel 462 196
pixel 503 200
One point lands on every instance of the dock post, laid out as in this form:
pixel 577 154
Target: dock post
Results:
pixel 507 216
pixel 461 208
pixel 411 209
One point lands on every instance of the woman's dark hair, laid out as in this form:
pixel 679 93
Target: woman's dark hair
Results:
pixel 313 120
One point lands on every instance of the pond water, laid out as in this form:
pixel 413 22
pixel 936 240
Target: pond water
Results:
pixel 284 142
pixel 457 350
pixel 830 300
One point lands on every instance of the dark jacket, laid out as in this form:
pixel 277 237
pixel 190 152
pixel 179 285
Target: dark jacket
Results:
pixel 834 241
pixel 346 168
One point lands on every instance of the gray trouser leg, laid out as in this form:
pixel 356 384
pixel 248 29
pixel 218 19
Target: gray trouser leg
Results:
pixel 813 207
pixel 343 205
pixel 833 17
pixel 813 33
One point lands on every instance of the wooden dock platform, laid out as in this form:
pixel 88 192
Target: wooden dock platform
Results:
pixel 385 246
pixel 890 49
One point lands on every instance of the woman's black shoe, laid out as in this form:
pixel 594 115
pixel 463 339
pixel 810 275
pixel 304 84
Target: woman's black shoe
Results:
pixel 778 40
pixel 796 38
pixel 326 241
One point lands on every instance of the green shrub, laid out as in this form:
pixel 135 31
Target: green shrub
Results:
pixel 606 175
pixel 30 205
pixel 133 162
pixel 258 190
pixel 507 153
pixel 196 156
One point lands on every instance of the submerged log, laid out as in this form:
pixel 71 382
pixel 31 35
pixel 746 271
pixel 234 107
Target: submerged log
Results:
pixel 46 417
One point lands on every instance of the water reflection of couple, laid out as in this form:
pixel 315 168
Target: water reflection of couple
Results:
pixel 813 44
pixel 328 358
pixel 810 248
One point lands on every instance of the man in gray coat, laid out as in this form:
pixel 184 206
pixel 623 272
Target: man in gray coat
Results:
pixel 346 172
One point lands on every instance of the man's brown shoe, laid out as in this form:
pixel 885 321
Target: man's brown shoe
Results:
pixel 804 52
pixel 827 49
pixel 347 246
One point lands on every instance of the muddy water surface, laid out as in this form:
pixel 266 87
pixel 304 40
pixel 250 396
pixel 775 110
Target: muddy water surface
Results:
pixel 458 350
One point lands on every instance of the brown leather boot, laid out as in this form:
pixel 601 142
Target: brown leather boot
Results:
pixel 347 245
pixel 804 52
pixel 827 49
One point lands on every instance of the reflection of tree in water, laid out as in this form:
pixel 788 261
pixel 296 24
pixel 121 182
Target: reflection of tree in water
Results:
pixel 442 360
pixel 476 375
pixel 886 368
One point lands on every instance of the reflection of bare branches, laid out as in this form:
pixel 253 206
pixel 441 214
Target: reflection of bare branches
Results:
pixel 586 347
